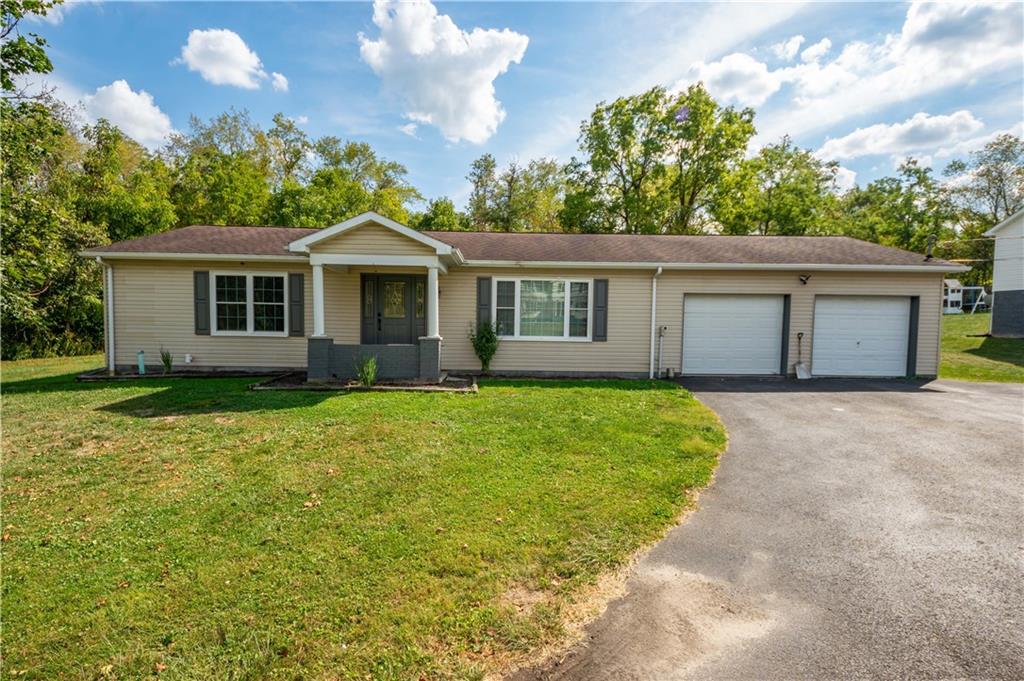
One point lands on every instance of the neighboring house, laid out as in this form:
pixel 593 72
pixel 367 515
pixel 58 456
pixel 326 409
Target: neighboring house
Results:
pixel 1008 277
pixel 566 304
pixel 952 296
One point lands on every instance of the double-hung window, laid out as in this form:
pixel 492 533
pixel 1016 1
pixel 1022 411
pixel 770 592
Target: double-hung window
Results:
pixel 249 304
pixel 543 309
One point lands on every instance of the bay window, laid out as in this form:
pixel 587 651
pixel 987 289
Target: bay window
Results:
pixel 542 309
pixel 249 304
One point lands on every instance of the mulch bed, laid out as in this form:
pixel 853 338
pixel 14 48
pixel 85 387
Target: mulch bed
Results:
pixel 296 380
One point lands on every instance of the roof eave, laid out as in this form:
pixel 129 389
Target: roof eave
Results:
pixel 936 268
pixel 245 257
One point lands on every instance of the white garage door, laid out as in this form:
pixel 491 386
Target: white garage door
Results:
pixel 732 334
pixel 860 336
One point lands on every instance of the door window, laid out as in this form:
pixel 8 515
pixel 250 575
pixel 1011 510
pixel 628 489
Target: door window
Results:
pixel 394 299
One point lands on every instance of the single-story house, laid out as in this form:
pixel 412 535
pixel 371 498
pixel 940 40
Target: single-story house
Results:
pixel 627 305
pixel 1008 277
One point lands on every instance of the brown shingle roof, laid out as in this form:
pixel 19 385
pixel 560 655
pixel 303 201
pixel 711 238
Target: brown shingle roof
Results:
pixel 213 239
pixel 546 247
pixel 625 248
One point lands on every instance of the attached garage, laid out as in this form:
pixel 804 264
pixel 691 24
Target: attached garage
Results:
pixel 863 336
pixel 733 334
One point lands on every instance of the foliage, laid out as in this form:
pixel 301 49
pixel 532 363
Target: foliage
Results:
pixel 366 370
pixel 216 532
pixel 783 190
pixel 968 354
pixel 167 360
pixel 519 198
pixel 485 342
pixel 21 55
pixel 440 216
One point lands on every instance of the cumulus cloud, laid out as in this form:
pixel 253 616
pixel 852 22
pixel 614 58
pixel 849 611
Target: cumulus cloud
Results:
pixel 443 74
pixel 816 51
pixel 278 82
pixel 135 113
pixel 846 179
pixel 221 57
pixel 738 78
pixel 787 50
pixel 920 132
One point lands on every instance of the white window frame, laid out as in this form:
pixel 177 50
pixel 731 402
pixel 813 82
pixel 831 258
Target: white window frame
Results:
pixel 565 337
pixel 250 318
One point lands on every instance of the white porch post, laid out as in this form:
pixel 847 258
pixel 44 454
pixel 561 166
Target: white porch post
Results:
pixel 433 330
pixel 318 301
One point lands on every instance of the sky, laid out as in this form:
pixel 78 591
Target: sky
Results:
pixel 435 85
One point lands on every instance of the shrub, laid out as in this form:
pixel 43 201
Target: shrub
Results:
pixel 366 370
pixel 167 359
pixel 485 344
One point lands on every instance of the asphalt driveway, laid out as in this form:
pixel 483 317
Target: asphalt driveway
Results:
pixel 854 529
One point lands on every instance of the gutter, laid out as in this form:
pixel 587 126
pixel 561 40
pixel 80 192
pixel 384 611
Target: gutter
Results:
pixel 654 321
pixel 240 257
pixel 108 313
pixel 814 267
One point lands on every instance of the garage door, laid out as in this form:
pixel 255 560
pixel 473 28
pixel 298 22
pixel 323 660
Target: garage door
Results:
pixel 732 334
pixel 860 336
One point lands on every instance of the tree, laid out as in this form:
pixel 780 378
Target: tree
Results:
pixel 21 55
pixel 990 184
pixel 483 176
pixel 706 142
pixel 440 216
pixel 783 190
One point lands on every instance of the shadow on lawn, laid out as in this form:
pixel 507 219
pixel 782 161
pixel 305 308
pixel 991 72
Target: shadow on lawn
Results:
pixel 1009 350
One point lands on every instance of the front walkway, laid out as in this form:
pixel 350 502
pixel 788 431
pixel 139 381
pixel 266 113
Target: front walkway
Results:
pixel 854 529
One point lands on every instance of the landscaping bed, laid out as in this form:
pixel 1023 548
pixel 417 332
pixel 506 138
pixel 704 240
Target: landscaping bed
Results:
pixel 296 380
pixel 198 529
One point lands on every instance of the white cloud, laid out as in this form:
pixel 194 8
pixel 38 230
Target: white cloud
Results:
pixel 408 129
pixel 846 179
pixel 135 113
pixel 444 75
pixel 966 146
pixel 787 50
pixel 921 132
pixel 300 120
pixel 739 78
pixel 221 57
pixel 278 82
pixel 816 51
pixel 56 14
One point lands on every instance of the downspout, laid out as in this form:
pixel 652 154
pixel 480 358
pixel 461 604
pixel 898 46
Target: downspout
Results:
pixel 108 312
pixel 654 321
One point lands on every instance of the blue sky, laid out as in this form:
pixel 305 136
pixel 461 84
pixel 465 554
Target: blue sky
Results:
pixel 433 86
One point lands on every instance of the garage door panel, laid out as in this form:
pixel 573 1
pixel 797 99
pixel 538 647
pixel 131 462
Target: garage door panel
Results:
pixel 732 334
pixel 860 336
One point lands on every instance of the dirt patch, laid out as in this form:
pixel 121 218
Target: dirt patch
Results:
pixel 524 599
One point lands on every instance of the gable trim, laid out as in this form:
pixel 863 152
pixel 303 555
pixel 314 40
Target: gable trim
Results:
pixel 302 245
pixel 1004 223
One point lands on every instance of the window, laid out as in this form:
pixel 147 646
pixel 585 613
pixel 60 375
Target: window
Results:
pixel 542 309
pixel 421 300
pixel 394 299
pixel 249 304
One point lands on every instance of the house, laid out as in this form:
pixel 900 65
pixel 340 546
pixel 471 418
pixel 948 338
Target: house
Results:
pixel 566 304
pixel 1008 277
pixel 952 296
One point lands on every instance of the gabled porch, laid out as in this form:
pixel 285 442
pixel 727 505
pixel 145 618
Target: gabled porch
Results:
pixel 390 274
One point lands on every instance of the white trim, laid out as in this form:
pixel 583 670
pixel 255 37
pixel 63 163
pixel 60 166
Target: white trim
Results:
pixel 250 318
pixel 195 256
pixel 318 302
pixel 108 314
pixel 565 338
pixel 654 316
pixel 302 245
pixel 556 264
pixel 1004 223
pixel 432 310
pixel 378 260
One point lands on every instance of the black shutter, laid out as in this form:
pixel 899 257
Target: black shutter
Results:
pixel 201 301
pixel 483 301
pixel 296 304
pixel 600 324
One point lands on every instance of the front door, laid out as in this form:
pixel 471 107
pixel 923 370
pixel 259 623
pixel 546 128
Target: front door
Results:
pixel 393 308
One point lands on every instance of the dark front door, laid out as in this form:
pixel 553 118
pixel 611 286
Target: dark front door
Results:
pixel 393 308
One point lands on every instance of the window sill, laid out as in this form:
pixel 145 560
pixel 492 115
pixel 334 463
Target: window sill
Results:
pixel 547 339
pixel 254 334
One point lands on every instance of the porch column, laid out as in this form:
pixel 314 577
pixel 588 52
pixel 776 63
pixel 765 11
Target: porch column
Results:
pixel 318 301
pixel 433 330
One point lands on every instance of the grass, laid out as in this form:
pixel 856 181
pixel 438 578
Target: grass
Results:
pixel 968 355
pixel 193 529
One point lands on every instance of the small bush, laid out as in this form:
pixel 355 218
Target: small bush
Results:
pixel 366 370
pixel 485 344
pixel 167 359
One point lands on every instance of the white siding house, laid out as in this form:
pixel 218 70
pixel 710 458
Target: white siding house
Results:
pixel 1008 277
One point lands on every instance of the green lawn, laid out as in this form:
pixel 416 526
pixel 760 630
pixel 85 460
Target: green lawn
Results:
pixel 969 356
pixel 198 530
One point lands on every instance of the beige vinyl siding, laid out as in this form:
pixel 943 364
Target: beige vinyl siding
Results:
pixel 672 286
pixel 154 308
pixel 371 239
pixel 629 324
